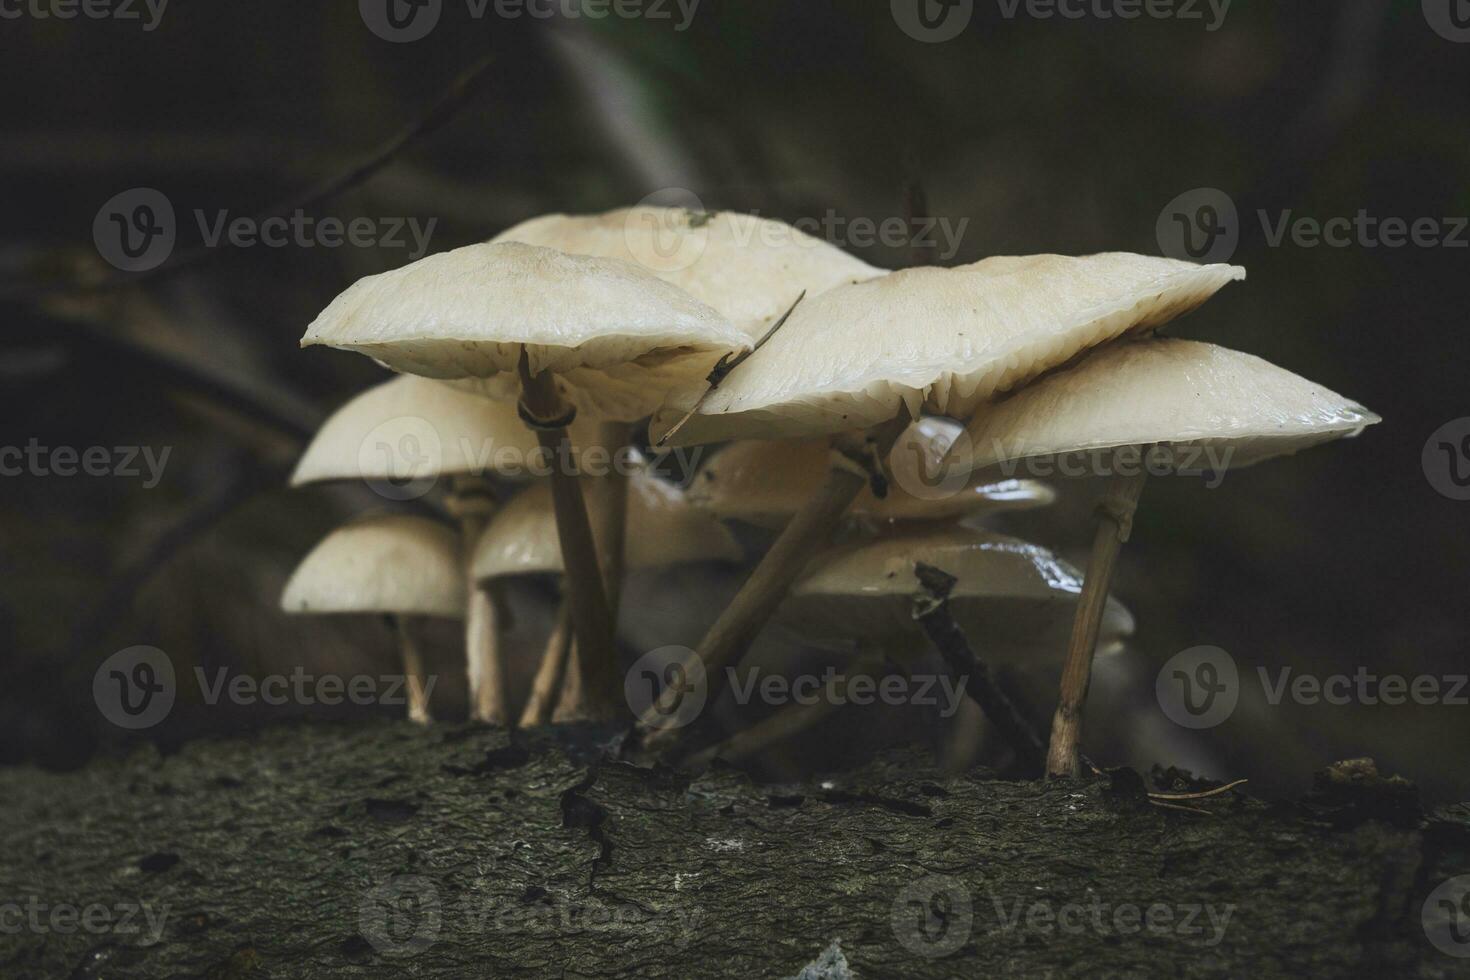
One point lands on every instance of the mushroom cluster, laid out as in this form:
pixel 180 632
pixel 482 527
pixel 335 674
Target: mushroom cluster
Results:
pixel 875 421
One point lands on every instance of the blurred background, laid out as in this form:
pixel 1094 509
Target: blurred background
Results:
pixel 1018 134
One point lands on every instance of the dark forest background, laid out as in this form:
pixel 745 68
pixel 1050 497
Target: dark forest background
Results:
pixel 1049 135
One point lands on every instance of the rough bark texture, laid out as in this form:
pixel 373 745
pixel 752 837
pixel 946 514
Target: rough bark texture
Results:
pixel 394 851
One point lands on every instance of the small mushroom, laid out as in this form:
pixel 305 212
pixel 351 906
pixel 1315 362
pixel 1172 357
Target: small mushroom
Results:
pixel 1153 399
pixel 381 432
pixel 395 565
pixel 874 354
pixel 765 482
pixel 663 530
pixel 560 331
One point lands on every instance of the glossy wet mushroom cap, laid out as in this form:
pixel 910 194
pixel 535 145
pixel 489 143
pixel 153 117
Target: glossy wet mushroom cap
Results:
pixel 616 337
pixel 942 341
pixel 1014 600
pixel 1170 393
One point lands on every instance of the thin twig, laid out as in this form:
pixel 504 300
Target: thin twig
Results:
pixel 1202 795
pixel 931 612
pixel 726 364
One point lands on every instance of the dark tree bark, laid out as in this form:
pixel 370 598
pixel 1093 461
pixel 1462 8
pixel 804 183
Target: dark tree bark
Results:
pixel 389 850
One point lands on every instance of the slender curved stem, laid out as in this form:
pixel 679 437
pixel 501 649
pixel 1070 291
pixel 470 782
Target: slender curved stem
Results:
pixel 591 620
pixel 547 687
pixel 810 529
pixel 1115 522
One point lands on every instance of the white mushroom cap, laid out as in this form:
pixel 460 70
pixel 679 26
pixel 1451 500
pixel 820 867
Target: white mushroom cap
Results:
pixel 663 529
pixel 431 426
pixel 390 563
pixel 617 337
pixel 748 268
pixel 1013 600
pixel 938 340
pixel 1168 391
pixel 765 483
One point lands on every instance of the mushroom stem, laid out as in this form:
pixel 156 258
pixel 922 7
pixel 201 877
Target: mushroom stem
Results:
pixel 545 411
pixel 789 721
pixel 471 503
pixel 413 670
pixel 1115 524
pixel 811 528
pixel 610 514
pixel 547 686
